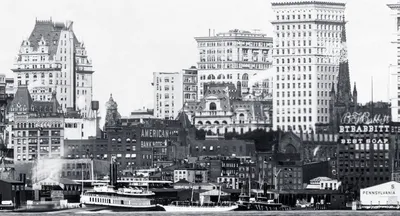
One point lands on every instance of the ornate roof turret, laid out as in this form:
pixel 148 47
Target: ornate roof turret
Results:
pixel 113 118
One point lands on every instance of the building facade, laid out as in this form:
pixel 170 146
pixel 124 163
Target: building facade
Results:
pixel 52 59
pixel 168 94
pixel 146 144
pixel 221 111
pixel 394 82
pixel 190 82
pixel 232 57
pixel 307 47
pixel 194 175
pixel 37 127
pixel 365 153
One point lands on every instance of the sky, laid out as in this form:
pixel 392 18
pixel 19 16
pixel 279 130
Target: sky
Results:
pixel 128 40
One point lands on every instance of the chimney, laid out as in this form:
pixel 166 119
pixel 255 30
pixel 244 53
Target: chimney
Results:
pixel 214 32
pixel 209 32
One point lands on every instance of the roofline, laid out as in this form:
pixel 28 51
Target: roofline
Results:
pixel 308 2
pixel 232 38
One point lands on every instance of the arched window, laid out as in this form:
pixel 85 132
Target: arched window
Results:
pixel 213 106
pixel 221 76
pixel 211 77
pixel 245 76
pixel 50 75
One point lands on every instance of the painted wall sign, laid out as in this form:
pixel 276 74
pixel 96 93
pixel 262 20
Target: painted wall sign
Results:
pixel 357 118
pixel 158 133
pixel 364 129
pixel 366 141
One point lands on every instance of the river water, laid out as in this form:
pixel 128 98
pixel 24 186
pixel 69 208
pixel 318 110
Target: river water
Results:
pixel 237 213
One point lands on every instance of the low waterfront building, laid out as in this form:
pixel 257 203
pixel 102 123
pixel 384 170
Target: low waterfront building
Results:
pixel 324 183
pixel 230 182
pixel 385 195
pixel 12 192
pixel 193 175
pixel 57 189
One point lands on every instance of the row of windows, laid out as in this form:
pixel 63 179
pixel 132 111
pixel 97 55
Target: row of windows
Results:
pixel 328 27
pixel 288 118
pixel 294 86
pixel 295 127
pixel 258 65
pixel 283 110
pixel 233 43
pixel 294 43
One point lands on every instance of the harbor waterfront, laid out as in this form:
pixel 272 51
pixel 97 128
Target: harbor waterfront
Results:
pixel 257 124
pixel 291 213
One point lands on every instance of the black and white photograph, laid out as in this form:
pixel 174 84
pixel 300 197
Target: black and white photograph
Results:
pixel 200 107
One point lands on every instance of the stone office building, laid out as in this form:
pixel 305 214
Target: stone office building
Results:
pixel 37 127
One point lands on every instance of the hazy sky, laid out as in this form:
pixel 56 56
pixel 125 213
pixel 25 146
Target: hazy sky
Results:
pixel 128 40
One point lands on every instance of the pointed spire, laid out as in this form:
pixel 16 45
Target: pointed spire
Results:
pixel 344 38
pixel 344 88
pixel 355 88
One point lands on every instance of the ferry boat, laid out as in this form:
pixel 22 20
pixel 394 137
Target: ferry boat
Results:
pixel 195 207
pixel 123 199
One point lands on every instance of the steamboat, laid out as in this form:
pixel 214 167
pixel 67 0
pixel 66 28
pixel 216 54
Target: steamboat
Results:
pixel 122 199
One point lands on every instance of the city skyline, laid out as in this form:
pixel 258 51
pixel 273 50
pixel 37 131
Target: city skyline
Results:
pixel 132 56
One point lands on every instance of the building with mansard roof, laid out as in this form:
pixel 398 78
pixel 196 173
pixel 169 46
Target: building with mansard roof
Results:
pixel 222 110
pixel 52 59
pixel 36 127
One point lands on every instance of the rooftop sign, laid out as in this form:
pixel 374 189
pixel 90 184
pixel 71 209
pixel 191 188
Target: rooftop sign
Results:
pixel 364 118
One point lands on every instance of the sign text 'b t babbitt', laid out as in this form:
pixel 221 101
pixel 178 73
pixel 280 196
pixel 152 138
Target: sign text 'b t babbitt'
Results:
pixel 359 118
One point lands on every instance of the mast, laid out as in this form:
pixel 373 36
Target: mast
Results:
pixel 191 198
pixel 82 178
pixel 249 185
pixel 219 194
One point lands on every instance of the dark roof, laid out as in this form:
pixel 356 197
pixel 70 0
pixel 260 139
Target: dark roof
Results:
pixel 11 181
pixel 23 102
pixel 182 181
pixel 184 119
pixel 50 33
pixel 67 181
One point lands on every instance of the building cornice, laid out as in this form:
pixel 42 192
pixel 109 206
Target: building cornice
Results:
pixel 233 38
pixel 338 22
pixel 306 2
pixel 35 69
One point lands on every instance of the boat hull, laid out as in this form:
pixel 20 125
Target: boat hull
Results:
pixel 96 207
pixel 171 208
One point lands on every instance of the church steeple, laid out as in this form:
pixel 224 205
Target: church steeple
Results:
pixel 355 95
pixel 343 88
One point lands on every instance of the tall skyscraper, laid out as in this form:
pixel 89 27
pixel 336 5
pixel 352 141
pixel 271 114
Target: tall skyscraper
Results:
pixel 53 60
pixel 232 57
pixel 395 68
pixel 306 55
